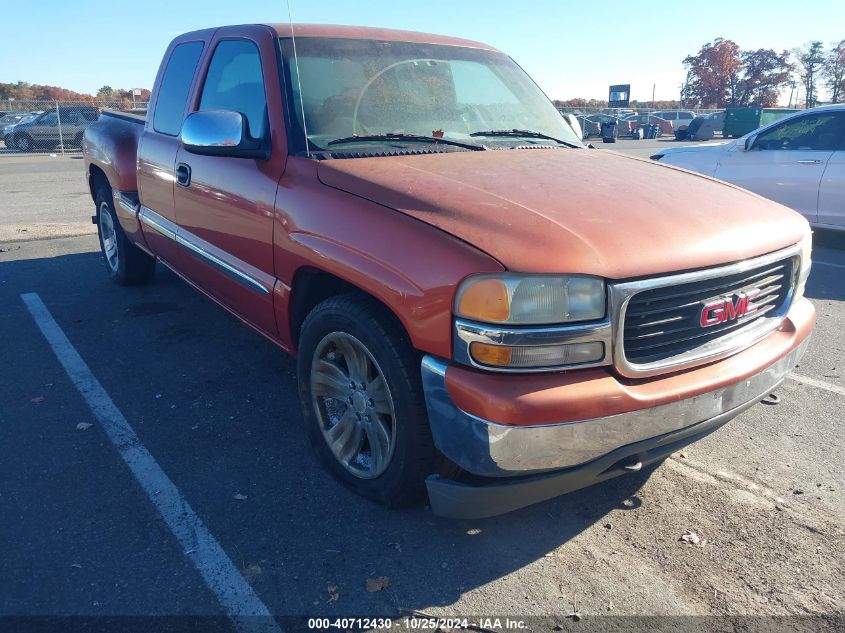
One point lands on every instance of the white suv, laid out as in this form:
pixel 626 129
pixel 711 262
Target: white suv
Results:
pixel 680 119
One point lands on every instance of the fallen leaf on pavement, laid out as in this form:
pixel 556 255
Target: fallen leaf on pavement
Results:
pixel 691 538
pixel 83 426
pixel 241 497
pixel 377 584
pixel 252 572
pixel 37 399
pixel 333 595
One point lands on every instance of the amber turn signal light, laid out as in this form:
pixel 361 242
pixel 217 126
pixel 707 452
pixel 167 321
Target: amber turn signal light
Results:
pixel 493 355
pixel 485 300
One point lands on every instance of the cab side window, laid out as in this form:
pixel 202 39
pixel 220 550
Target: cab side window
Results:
pixel 235 82
pixel 174 88
pixel 51 118
pixel 811 132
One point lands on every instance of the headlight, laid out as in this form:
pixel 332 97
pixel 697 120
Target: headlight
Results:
pixel 512 322
pixel 531 299
pixel 806 264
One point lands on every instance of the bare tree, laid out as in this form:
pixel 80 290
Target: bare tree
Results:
pixel 834 70
pixel 811 61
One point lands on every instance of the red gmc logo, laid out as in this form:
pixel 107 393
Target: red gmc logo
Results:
pixel 729 309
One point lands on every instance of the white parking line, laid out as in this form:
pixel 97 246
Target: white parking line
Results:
pixel 820 384
pixel 237 598
pixel 831 264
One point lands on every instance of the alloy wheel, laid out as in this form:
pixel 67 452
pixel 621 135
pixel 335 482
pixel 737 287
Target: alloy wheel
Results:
pixel 353 404
pixel 109 237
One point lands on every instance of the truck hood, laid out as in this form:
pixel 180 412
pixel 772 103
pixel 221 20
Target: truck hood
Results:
pixel 569 210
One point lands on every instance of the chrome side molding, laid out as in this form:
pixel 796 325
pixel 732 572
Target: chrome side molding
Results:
pixel 157 222
pixel 234 268
pixel 238 275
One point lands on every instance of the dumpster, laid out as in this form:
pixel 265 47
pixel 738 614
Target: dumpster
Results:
pixel 609 131
pixel 741 121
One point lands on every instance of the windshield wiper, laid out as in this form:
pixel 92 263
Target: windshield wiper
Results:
pixel 524 134
pixel 412 138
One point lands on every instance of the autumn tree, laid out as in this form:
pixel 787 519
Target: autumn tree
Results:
pixel 811 61
pixel 713 75
pixel 834 71
pixel 764 72
pixel 106 92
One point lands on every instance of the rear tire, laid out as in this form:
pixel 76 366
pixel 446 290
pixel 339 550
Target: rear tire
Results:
pixel 126 263
pixel 349 344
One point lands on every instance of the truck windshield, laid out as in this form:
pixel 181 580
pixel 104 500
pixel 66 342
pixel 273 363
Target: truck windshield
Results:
pixel 381 90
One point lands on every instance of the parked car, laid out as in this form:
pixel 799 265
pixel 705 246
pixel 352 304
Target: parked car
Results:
pixel 589 127
pixel 11 118
pixel 8 121
pixel 472 315
pixel 798 161
pixel 679 119
pixel 9 128
pixel 44 131
pixel 638 120
pixel 709 126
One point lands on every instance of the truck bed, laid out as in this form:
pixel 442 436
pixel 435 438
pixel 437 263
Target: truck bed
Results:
pixel 111 146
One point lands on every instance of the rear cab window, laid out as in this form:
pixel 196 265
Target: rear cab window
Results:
pixel 174 88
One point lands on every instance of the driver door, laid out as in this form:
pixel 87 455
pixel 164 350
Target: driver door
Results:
pixel 785 163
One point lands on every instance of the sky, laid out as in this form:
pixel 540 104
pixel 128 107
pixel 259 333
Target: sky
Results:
pixel 572 49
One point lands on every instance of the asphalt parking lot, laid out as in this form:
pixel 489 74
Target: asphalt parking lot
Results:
pixel 213 407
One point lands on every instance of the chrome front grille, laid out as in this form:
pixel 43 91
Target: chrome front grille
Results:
pixel 683 320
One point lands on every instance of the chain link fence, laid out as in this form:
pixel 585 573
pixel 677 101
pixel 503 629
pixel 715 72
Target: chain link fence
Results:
pixel 616 111
pixel 52 126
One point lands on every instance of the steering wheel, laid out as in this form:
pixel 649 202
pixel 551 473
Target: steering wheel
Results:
pixel 372 80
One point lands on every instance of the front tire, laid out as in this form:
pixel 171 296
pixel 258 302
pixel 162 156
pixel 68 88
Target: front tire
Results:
pixel 362 400
pixel 126 263
pixel 24 143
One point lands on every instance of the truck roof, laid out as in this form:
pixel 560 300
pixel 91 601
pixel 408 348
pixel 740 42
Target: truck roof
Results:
pixel 372 33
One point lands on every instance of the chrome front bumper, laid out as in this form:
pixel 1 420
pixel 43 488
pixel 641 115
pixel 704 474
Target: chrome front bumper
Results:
pixel 489 449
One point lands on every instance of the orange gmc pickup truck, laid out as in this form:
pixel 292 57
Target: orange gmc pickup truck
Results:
pixel 482 308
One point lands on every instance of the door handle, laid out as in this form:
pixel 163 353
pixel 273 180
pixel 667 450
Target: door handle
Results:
pixel 813 161
pixel 183 175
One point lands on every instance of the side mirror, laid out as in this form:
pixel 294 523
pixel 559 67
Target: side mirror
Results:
pixel 749 142
pixel 221 133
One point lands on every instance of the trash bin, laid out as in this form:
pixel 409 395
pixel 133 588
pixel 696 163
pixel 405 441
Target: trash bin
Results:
pixel 637 134
pixel 609 131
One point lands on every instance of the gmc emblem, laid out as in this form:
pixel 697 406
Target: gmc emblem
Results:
pixel 729 309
